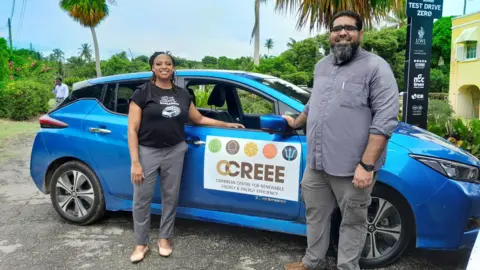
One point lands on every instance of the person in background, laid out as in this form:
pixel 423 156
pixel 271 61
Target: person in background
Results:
pixel 156 140
pixel 60 91
pixel 351 114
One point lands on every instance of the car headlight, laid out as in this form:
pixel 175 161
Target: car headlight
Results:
pixel 451 169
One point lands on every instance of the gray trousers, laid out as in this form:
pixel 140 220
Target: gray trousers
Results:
pixel 321 194
pixel 168 163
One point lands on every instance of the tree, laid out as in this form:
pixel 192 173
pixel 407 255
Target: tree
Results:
pixel 442 41
pixel 269 45
pixel 256 32
pixel 58 56
pixel 291 42
pixel 89 13
pixel 319 13
pixel 85 52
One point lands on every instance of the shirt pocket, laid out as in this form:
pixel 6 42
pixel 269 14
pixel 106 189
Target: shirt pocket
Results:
pixel 353 95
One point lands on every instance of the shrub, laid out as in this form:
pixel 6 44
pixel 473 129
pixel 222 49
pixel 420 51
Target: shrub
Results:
pixel 465 135
pixel 3 60
pixel 21 100
pixel 439 114
pixel 71 80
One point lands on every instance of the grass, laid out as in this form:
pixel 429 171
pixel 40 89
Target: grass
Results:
pixel 10 129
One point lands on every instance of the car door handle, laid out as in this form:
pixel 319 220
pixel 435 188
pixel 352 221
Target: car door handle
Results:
pixel 100 130
pixel 199 142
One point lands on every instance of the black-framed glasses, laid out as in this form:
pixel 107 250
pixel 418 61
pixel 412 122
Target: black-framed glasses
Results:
pixel 339 28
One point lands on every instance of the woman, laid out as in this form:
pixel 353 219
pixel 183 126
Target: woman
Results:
pixel 157 146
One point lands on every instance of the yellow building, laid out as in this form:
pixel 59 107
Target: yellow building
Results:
pixel 464 94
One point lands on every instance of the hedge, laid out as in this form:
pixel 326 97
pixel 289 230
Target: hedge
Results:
pixel 22 100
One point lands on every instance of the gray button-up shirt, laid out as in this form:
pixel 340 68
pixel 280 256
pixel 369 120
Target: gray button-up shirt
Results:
pixel 348 103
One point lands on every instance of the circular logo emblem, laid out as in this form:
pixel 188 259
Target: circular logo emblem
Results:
pixel 233 147
pixel 251 149
pixel 215 145
pixel 289 153
pixel 270 151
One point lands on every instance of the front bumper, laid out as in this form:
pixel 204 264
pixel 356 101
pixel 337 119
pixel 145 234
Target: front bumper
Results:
pixel 443 220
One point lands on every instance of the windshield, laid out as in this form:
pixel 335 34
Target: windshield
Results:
pixel 286 88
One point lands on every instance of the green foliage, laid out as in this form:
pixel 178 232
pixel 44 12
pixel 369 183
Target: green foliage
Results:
pixel 440 112
pixel 438 81
pixel 21 100
pixel 71 80
pixel 465 134
pixel 442 40
pixel 4 52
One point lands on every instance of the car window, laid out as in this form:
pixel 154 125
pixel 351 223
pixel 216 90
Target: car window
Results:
pixel 116 98
pixel 202 94
pixel 94 91
pixel 254 104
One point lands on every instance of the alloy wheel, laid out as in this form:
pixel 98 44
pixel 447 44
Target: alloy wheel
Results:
pixel 74 193
pixel 384 226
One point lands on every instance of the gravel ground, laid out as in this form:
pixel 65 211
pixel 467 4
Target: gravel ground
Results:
pixel 32 236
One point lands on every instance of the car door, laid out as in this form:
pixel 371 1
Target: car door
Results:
pixel 105 129
pixel 245 171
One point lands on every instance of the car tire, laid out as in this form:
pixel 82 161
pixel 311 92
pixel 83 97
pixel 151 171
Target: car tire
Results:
pixel 85 204
pixel 404 214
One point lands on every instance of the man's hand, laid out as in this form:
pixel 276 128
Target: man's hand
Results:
pixel 290 121
pixel 362 178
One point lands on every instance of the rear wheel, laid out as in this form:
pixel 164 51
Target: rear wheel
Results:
pixel 390 226
pixel 76 193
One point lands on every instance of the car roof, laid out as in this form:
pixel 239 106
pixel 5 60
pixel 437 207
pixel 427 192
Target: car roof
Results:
pixel 180 72
pixel 239 75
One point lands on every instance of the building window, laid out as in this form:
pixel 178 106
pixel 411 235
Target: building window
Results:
pixel 471 49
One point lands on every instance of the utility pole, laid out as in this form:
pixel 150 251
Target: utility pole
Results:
pixel 10 33
pixel 464 7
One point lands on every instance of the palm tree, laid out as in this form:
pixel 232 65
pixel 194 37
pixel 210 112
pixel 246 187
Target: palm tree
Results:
pixel 85 52
pixel 269 45
pixel 291 42
pixel 58 55
pixel 88 13
pixel 319 13
pixel 256 32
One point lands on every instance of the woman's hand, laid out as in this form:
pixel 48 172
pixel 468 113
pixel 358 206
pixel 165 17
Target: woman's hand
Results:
pixel 234 125
pixel 137 173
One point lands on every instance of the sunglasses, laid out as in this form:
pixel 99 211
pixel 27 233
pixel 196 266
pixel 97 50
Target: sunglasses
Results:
pixel 339 28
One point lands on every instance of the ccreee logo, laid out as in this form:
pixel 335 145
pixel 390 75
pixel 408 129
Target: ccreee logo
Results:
pixel 261 172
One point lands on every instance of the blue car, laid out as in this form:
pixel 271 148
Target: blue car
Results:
pixel 427 194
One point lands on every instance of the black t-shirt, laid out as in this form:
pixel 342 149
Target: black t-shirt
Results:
pixel 164 113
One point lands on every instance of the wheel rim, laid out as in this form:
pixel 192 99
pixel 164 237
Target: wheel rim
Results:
pixel 384 227
pixel 74 194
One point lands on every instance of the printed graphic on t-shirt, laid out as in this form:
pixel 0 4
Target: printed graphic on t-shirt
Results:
pixel 168 101
pixel 171 111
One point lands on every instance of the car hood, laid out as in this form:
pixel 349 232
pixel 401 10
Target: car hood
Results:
pixel 423 142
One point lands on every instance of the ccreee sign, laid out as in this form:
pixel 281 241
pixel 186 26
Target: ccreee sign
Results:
pixel 255 171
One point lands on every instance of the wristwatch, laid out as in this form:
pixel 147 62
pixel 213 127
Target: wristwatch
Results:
pixel 367 167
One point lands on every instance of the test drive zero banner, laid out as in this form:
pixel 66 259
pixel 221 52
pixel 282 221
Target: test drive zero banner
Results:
pixel 254 167
pixel 418 59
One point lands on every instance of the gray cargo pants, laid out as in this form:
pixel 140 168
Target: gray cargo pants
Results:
pixel 321 193
pixel 168 163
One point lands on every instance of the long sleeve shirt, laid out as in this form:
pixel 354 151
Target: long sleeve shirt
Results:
pixel 349 102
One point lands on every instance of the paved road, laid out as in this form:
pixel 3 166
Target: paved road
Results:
pixel 32 236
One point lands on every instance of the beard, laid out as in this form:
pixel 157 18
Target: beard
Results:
pixel 344 52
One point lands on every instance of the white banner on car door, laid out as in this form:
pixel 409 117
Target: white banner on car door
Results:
pixel 254 167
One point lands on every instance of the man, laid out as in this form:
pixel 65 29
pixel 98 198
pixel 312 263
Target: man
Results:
pixel 350 116
pixel 60 91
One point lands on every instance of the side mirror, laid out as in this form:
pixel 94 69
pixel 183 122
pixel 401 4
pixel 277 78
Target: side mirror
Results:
pixel 272 123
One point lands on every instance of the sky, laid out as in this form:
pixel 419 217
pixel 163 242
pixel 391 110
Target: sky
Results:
pixel 188 28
